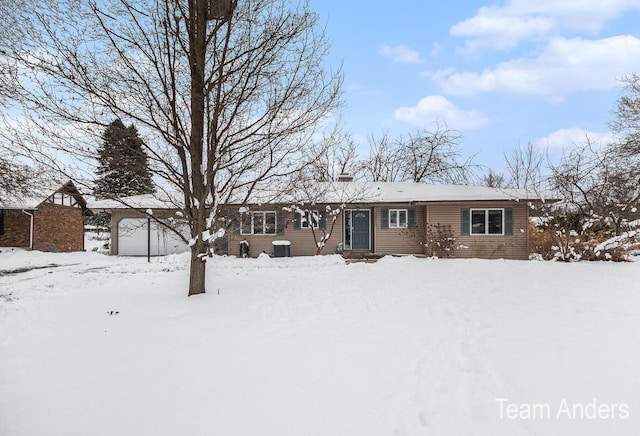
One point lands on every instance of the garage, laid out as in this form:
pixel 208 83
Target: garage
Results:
pixel 137 235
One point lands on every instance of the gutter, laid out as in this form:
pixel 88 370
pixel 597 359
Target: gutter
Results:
pixel 30 228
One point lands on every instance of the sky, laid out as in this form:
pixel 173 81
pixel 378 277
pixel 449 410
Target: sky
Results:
pixel 502 74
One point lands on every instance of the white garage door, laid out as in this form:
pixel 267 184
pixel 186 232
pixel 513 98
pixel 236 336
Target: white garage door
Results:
pixel 134 232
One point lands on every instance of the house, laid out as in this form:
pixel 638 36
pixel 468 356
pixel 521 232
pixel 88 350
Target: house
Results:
pixel 369 218
pixel 381 218
pixel 50 221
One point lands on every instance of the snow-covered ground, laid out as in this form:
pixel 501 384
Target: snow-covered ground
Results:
pixel 97 345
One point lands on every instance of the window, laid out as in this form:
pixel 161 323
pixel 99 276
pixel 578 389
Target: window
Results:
pixel 397 218
pixel 1 222
pixel 258 223
pixel 310 219
pixel 487 221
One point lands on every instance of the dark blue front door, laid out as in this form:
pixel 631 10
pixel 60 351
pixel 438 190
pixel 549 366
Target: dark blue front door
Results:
pixel 360 228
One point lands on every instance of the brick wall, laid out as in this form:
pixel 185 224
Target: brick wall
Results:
pixel 58 228
pixel 16 229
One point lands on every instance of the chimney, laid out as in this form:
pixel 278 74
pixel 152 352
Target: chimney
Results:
pixel 345 178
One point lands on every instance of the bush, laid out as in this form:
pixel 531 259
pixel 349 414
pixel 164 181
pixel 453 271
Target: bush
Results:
pixel 551 240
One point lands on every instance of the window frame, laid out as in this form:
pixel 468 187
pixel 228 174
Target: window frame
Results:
pixel 252 223
pixel 487 221
pixel 306 219
pixel 398 224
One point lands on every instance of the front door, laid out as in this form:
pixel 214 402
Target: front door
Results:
pixel 357 228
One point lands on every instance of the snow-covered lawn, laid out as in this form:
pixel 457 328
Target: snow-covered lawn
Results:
pixel 100 345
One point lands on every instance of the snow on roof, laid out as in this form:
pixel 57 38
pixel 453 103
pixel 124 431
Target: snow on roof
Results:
pixel 400 192
pixel 341 192
pixel 37 194
pixel 142 201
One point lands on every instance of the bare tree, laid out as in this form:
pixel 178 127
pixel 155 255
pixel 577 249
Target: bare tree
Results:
pixel 227 95
pixel 383 164
pixel 524 165
pixel 423 157
pixel 15 180
pixel 493 179
pixel 601 190
pixel 333 155
pixel 433 157
pixel 627 117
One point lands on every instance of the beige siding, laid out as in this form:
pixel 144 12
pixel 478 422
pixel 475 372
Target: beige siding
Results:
pixel 384 241
pixel 485 246
pixel 302 241
pixel 397 241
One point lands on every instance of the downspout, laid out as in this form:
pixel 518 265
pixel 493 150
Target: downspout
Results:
pixel 30 229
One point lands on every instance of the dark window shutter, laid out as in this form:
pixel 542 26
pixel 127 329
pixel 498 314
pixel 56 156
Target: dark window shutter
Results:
pixel 281 219
pixel 323 220
pixel 508 221
pixel 411 218
pixel 385 219
pixel 1 222
pixel 297 221
pixel 465 221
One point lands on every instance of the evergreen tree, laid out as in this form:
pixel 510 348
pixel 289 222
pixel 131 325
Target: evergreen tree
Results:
pixel 122 163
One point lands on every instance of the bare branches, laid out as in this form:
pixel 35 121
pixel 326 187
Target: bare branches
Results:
pixel 433 157
pixel 222 104
pixel 423 157
pixel 384 163
pixel 524 165
pixel 627 116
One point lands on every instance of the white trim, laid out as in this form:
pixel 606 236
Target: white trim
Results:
pixel 263 232
pixel 31 218
pixel 486 221
pixel 406 219
pixel 304 220
pixel 344 228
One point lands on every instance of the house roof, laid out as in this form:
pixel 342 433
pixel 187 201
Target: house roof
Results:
pixel 38 195
pixel 403 192
pixel 343 192
pixel 160 200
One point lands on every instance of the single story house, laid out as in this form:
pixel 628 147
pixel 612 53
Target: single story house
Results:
pixel 364 218
pixel 50 221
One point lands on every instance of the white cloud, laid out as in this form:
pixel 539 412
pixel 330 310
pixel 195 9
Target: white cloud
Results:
pixel 400 54
pixel 567 138
pixel 499 32
pixel 502 27
pixel 438 108
pixel 565 66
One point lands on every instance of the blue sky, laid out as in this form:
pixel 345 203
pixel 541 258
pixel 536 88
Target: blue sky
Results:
pixel 502 74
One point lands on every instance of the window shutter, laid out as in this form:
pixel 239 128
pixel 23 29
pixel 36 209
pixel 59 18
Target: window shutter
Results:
pixel 1 222
pixel 281 219
pixel 465 221
pixel 411 218
pixel 508 221
pixel 236 225
pixel 297 221
pixel 385 219
pixel 323 220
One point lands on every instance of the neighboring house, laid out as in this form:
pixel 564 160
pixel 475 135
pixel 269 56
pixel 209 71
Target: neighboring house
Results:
pixel 377 218
pixel 51 221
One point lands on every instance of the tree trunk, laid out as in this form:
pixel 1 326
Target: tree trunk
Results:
pixel 197 56
pixel 197 271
